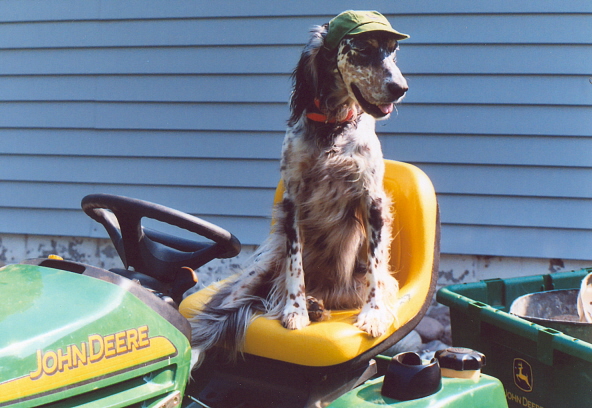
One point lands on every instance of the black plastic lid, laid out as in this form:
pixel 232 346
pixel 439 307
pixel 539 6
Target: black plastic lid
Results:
pixel 408 377
pixel 460 359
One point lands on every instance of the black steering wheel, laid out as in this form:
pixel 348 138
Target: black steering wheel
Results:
pixel 158 255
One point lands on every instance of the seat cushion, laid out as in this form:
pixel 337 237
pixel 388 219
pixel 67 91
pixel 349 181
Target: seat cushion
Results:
pixel 330 342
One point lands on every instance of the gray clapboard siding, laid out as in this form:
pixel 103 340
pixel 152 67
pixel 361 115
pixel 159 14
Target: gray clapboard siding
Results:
pixel 459 119
pixel 153 60
pixel 157 33
pixel 426 89
pixel 165 116
pixel 512 181
pixel 558 90
pixel 420 148
pixel 148 170
pixel 488 58
pixel 75 223
pixel 240 202
pixel 66 10
pixel 413 59
pixel 527 150
pixel 467 29
pixel 500 89
pixel 185 104
pixel 519 242
pixel 517 211
pixel 146 88
pixel 492 119
pixel 498 28
pixel 476 179
pixel 141 143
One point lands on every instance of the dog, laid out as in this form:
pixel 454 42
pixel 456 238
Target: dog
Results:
pixel 329 244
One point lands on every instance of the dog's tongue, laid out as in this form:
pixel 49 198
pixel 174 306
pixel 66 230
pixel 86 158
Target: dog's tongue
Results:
pixel 386 109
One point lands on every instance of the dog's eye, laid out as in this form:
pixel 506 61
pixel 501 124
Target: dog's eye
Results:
pixel 365 50
pixel 393 50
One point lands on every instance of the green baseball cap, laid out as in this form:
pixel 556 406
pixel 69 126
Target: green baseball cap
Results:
pixel 355 22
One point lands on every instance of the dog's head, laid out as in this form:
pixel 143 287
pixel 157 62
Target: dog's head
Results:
pixel 367 66
pixel 349 63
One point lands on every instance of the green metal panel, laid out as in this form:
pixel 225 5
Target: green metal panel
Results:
pixel 488 392
pixel 69 336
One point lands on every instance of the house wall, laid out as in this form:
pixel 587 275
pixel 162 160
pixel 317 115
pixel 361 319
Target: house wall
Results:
pixel 184 103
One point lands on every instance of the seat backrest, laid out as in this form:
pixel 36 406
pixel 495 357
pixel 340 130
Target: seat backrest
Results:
pixel 415 245
pixel 416 227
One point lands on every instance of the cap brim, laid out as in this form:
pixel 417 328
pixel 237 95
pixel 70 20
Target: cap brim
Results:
pixel 364 28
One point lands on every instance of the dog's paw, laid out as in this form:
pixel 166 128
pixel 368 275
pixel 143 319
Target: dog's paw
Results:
pixel 295 321
pixel 295 318
pixel 316 309
pixel 375 322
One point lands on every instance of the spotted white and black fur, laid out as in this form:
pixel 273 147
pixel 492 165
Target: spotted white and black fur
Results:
pixel 332 229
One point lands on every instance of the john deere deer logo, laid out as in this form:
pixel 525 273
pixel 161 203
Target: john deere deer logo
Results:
pixel 523 375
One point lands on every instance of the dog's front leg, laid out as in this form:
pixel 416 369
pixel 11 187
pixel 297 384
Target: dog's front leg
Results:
pixel 376 315
pixel 295 314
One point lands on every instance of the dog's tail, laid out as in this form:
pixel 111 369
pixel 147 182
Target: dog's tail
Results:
pixel 223 326
pixel 224 319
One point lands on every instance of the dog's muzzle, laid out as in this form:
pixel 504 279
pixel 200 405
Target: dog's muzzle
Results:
pixel 383 109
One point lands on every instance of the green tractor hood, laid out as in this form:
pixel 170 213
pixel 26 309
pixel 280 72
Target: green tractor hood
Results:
pixel 69 336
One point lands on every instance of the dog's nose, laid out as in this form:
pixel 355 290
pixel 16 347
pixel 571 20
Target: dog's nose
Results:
pixel 397 90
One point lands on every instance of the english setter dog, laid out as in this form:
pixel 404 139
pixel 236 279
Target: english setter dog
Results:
pixel 332 229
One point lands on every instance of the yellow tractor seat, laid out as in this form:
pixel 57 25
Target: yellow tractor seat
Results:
pixel 414 260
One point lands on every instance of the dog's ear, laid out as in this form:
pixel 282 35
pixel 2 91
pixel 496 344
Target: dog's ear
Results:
pixel 305 78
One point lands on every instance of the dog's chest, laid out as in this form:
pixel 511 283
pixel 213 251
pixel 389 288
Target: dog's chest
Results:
pixel 336 171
